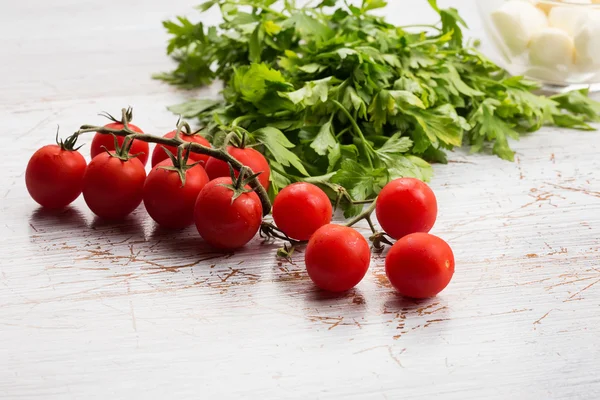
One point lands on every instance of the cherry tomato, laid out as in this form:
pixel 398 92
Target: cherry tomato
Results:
pixel 225 224
pixel 405 206
pixel 113 188
pixel 168 202
pixel 159 154
pixel 54 176
pixel 104 140
pixel 420 265
pixel 337 258
pixel 249 157
pixel 300 209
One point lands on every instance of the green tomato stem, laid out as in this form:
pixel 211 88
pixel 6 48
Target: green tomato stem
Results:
pixel 366 214
pixel 358 202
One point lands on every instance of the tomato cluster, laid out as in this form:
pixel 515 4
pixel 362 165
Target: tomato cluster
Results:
pixel 176 193
pixel 185 188
pixel 418 265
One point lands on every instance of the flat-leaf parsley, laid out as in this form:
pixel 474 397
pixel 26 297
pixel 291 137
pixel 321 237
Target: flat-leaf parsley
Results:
pixel 336 96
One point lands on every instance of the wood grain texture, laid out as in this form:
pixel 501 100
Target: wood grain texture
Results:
pixel 96 311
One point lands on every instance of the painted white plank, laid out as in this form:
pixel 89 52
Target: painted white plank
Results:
pixel 89 310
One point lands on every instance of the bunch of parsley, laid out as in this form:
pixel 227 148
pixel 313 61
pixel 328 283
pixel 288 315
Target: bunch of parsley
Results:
pixel 336 96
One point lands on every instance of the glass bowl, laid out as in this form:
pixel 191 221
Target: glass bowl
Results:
pixel 554 42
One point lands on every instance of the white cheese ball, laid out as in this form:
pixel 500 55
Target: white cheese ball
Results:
pixel 552 48
pixel 587 44
pixel 569 19
pixel 516 22
pixel 545 7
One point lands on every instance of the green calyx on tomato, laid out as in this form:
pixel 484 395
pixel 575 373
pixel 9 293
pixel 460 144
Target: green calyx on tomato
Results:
pixel 180 162
pixel 240 184
pixel 182 134
pixel 126 118
pixel 122 152
pixel 69 143
pixel 241 142
pixel 101 139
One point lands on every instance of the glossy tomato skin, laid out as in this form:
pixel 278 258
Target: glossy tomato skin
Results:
pixel 300 209
pixel 54 176
pixel 420 265
pixel 113 188
pixel 103 140
pixel 223 224
pixel 169 203
pixel 337 258
pixel 159 153
pixel 405 206
pixel 249 157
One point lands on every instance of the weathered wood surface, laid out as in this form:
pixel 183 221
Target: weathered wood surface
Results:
pixel 89 310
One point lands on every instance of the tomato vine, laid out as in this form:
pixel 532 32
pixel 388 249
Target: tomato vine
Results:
pixel 218 153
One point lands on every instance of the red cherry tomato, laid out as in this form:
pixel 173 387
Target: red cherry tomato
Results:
pixel 54 176
pixel 420 265
pixel 405 206
pixel 168 202
pixel 112 188
pixel 337 258
pixel 159 154
pixel 249 157
pixel 300 209
pixel 225 224
pixel 104 140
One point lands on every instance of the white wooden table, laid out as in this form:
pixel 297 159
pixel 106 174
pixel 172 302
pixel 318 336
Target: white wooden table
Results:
pixel 96 311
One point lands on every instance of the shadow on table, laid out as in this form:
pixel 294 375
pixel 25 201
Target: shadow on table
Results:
pixel 66 218
pixel 130 227
pixel 182 241
pixel 397 301
pixel 351 298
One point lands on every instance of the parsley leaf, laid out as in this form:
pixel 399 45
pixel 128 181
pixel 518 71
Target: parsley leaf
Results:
pixel 277 145
pixel 360 182
pixel 325 140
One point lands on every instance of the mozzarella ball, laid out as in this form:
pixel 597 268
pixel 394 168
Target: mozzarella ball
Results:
pixel 587 44
pixel 569 19
pixel 516 22
pixel 545 7
pixel 552 48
